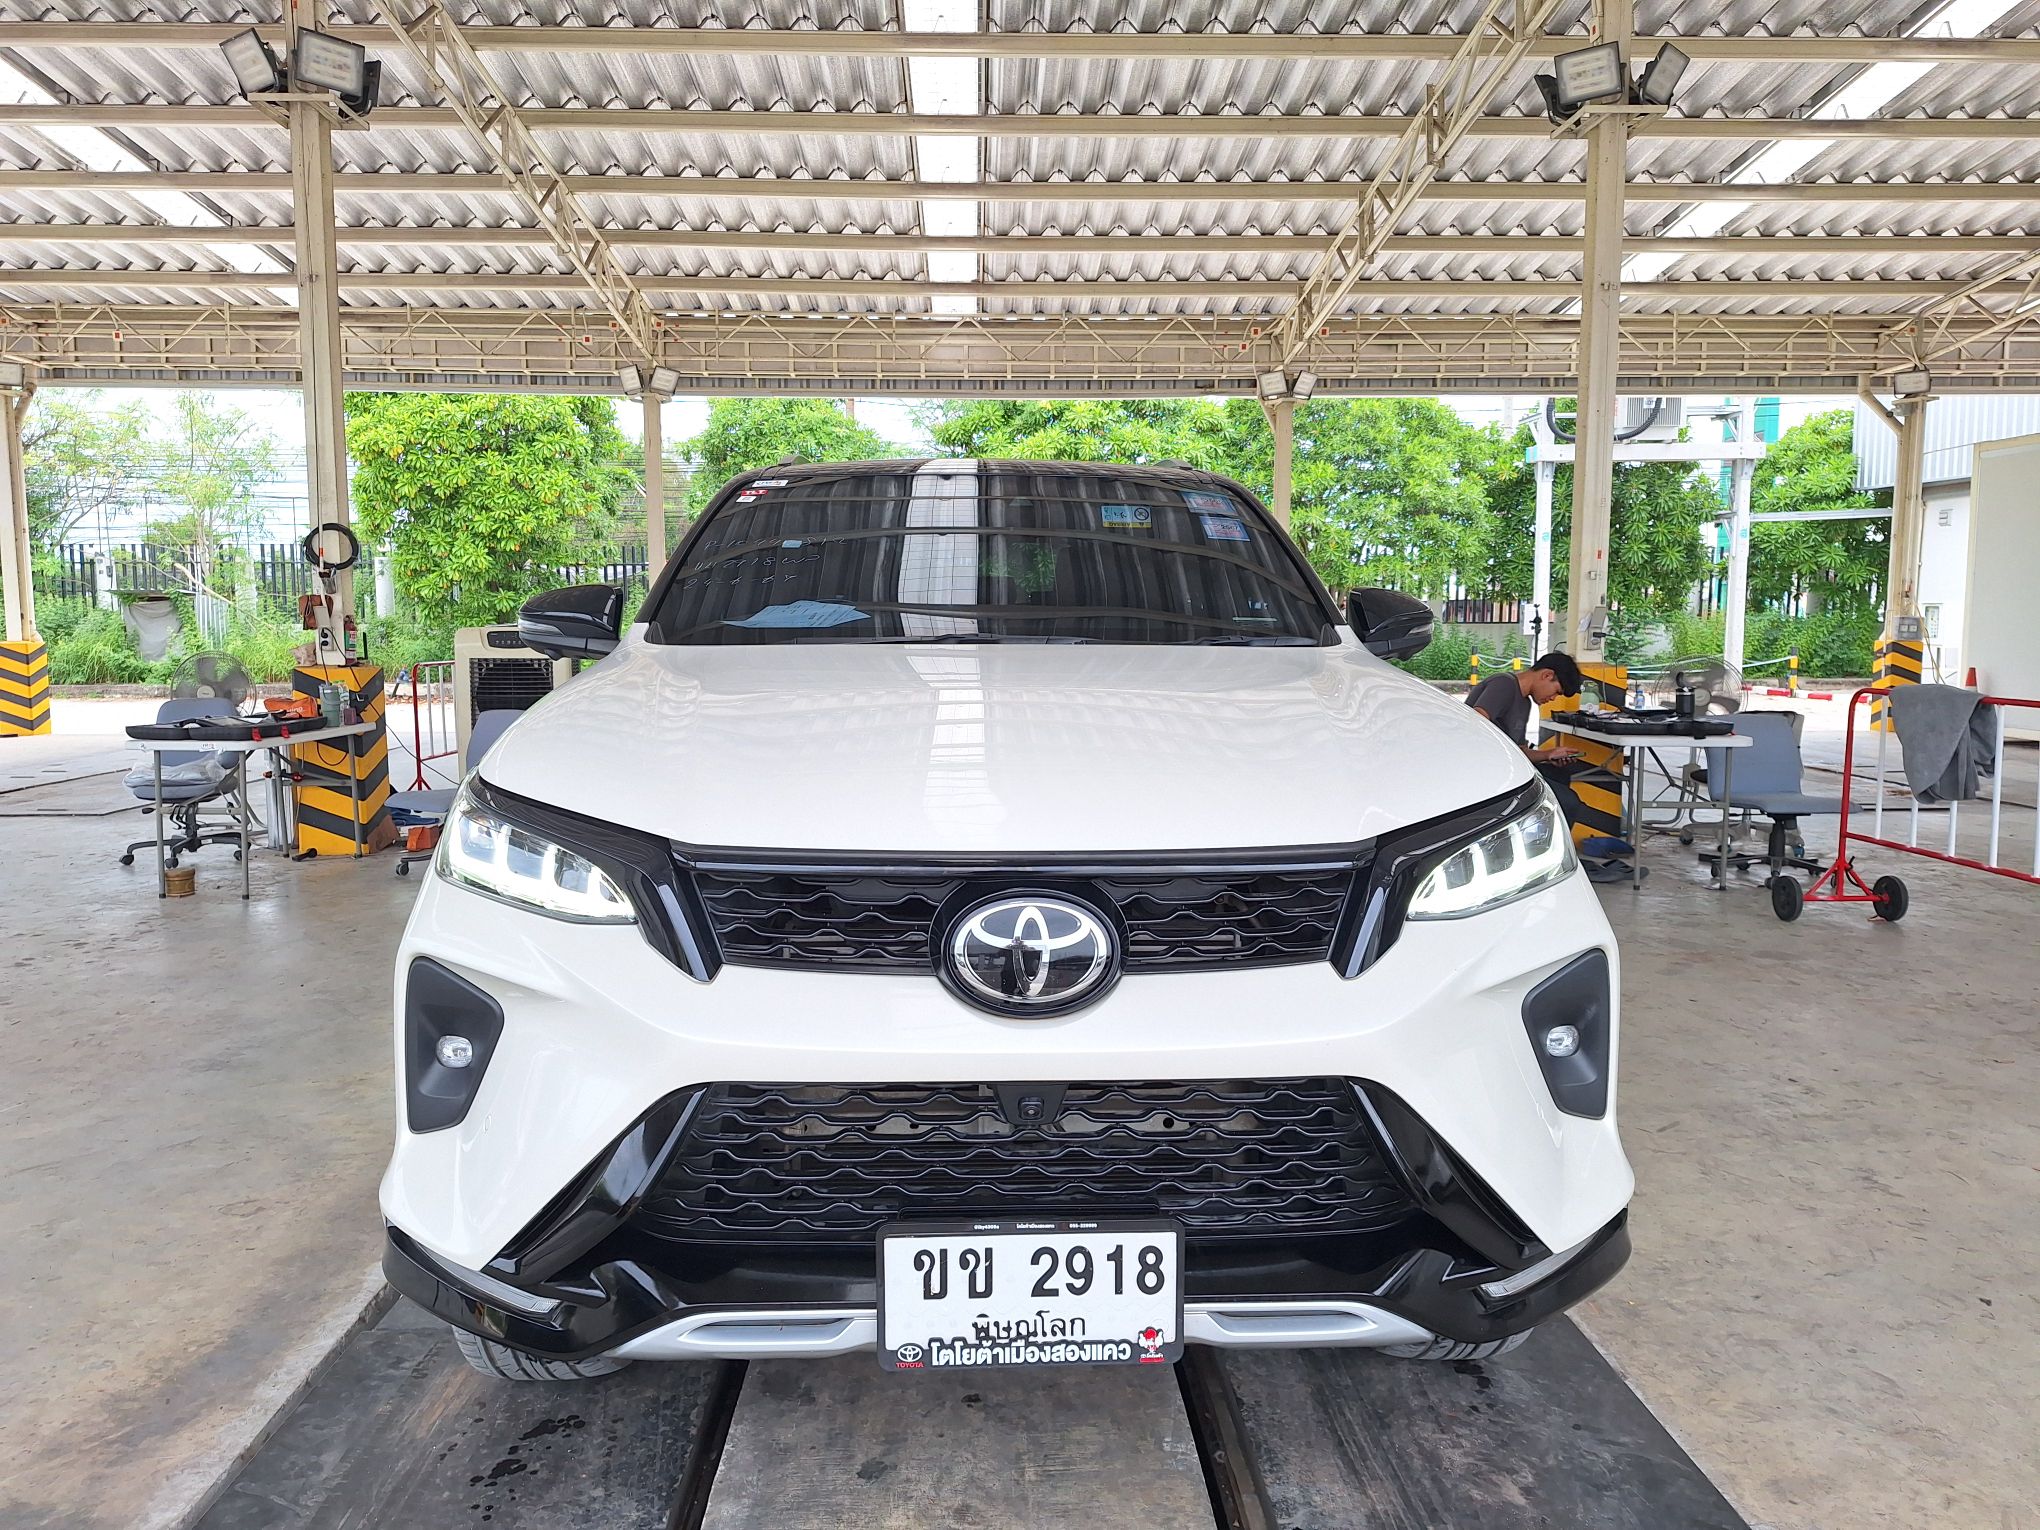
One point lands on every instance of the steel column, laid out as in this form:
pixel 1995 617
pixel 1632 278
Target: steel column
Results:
pixel 1735 602
pixel 320 364
pixel 1599 354
pixel 1282 419
pixel 1908 516
pixel 17 584
pixel 1540 549
pixel 655 487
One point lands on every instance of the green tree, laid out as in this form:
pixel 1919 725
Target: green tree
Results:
pixel 1837 566
pixel 483 496
pixel 1196 431
pixel 746 433
pixel 1656 512
pixel 77 456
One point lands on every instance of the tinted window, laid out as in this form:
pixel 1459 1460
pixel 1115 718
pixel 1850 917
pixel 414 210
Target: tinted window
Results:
pixel 957 552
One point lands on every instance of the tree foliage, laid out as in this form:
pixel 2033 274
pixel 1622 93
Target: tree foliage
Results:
pixel 77 455
pixel 212 464
pixel 1835 566
pixel 483 496
pixel 746 433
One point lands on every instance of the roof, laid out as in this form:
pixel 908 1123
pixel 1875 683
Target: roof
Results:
pixel 1139 207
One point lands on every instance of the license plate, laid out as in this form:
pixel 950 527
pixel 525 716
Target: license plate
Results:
pixel 964 1294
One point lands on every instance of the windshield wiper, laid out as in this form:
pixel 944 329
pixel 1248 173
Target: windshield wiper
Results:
pixel 1251 640
pixel 977 637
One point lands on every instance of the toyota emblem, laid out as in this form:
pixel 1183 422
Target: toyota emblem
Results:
pixel 1031 955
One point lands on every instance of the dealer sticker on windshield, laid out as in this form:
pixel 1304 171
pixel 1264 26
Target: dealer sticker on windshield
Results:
pixel 1127 517
pixel 959 1295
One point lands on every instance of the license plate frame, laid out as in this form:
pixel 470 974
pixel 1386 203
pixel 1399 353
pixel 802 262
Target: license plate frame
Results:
pixel 1032 1337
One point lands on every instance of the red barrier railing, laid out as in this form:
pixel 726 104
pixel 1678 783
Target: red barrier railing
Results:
pixel 1833 885
pixel 432 730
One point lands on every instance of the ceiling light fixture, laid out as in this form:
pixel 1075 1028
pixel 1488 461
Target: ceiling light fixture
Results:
pixel 1306 385
pixel 1274 386
pixel 255 67
pixel 1661 76
pixel 329 63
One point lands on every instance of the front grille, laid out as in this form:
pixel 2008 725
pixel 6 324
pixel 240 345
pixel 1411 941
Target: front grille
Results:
pixel 881 920
pixel 834 1162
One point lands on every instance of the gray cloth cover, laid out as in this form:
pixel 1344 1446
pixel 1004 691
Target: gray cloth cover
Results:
pixel 1948 739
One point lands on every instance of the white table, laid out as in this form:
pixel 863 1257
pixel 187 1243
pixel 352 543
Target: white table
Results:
pixel 278 808
pixel 1634 744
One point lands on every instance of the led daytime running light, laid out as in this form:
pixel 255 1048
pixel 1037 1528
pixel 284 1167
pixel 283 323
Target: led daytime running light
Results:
pixel 487 852
pixel 1501 865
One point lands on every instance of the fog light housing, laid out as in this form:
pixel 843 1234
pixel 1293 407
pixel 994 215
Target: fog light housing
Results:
pixel 451 1028
pixel 1559 1041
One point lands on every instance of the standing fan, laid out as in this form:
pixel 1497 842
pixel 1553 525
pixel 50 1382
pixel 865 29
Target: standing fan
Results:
pixel 206 676
pixel 1717 689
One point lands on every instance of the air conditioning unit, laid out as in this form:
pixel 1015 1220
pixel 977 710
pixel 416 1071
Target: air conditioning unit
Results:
pixel 494 671
pixel 1650 419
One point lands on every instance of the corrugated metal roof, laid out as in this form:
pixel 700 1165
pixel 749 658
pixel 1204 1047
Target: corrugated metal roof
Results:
pixel 1133 83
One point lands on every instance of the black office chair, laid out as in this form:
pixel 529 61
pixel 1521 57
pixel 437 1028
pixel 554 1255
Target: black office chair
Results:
pixel 1765 778
pixel 192 778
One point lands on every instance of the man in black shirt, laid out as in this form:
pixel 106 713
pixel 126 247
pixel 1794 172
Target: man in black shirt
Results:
pixel 1505 700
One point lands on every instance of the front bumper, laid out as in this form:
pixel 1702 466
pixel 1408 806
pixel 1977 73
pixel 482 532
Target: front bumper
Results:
pixel 598 1032
pixel 1257 1296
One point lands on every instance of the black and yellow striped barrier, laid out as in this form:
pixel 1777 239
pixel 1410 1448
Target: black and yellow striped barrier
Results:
pixel 326 807
pixel 1600 790
pixel 24 689
pixel 1899 661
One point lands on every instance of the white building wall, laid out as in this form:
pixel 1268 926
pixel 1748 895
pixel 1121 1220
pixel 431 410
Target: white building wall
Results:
pixel 1944 578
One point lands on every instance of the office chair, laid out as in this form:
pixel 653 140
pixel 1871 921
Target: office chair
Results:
pixel 191 779
pixel 1765 778
pixel 432 804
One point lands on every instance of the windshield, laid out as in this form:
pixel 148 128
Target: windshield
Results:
pixel 959 552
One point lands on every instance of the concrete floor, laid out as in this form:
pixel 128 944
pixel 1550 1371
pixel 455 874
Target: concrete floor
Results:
pixel 1832 1304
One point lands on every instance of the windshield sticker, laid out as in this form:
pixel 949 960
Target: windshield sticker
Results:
pixel 747 496
pixel 1219 504
pixel 794 543
pixel 1224 528
pixel 803 613
pixel 769 483
pixel 1128 517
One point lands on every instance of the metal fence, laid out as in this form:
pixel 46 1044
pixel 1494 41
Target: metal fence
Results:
pixel 143 568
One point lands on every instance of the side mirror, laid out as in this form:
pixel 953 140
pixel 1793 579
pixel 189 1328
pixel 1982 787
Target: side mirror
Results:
pixel 1392 625
pixel 582 621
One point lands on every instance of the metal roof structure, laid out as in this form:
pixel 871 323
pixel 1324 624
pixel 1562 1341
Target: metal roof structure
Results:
pixel 1046 197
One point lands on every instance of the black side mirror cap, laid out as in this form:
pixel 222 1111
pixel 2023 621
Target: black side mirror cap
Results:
pixel 581 621
pixel 1391 624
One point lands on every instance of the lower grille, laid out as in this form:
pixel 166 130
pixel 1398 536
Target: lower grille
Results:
pixel 835 1162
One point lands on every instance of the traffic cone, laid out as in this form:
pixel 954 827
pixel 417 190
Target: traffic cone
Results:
pixel 1969 679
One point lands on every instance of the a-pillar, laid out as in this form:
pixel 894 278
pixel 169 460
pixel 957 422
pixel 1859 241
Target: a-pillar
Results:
pixel 320 364
pixel 1282 420
pixel 655 488
pixel 1736 598
pixel 1600 352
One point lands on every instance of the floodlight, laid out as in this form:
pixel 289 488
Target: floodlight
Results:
pixel 1912 384
pixel 13 374
pixel 631 379
pixel 665 382
pixel 329 63
pixel 1661 77
pixel 360 103
pixel 255 67
pixel 1274 385
pixel 1547 87
pixel 1589 74
pixel 1306 385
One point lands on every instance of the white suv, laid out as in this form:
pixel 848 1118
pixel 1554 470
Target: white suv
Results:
pixel 998 913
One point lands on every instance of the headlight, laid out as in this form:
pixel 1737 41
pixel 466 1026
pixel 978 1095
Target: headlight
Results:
pixel 1528 852
pixel 486 851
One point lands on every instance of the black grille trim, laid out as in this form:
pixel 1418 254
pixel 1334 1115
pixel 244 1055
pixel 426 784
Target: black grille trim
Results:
pixel 832 1163
pixel 1174 914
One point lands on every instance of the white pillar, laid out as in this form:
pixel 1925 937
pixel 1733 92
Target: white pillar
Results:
pixel 1908 517
pixel 1600 350
pixel 1282 420
pixel 1735 600
pixel 318 299
pixel 386 580
pixel 655 488
pixel 17 584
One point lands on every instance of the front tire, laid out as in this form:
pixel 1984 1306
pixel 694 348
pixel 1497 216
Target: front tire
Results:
pixel 503 1363
pixel 1455 1349
pixel 1889 898
pixel 1787 897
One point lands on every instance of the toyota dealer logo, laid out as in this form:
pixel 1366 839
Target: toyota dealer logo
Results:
pixel 1032 955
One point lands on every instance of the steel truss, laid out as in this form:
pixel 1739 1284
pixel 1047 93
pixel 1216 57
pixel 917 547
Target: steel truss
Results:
pixel 975 355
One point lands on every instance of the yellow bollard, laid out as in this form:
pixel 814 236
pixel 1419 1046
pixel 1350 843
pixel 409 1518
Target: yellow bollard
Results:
pixel 1473 671
pixel 1792 672
pixel 1518 665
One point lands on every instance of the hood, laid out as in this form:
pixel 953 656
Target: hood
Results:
pixel 1005 748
